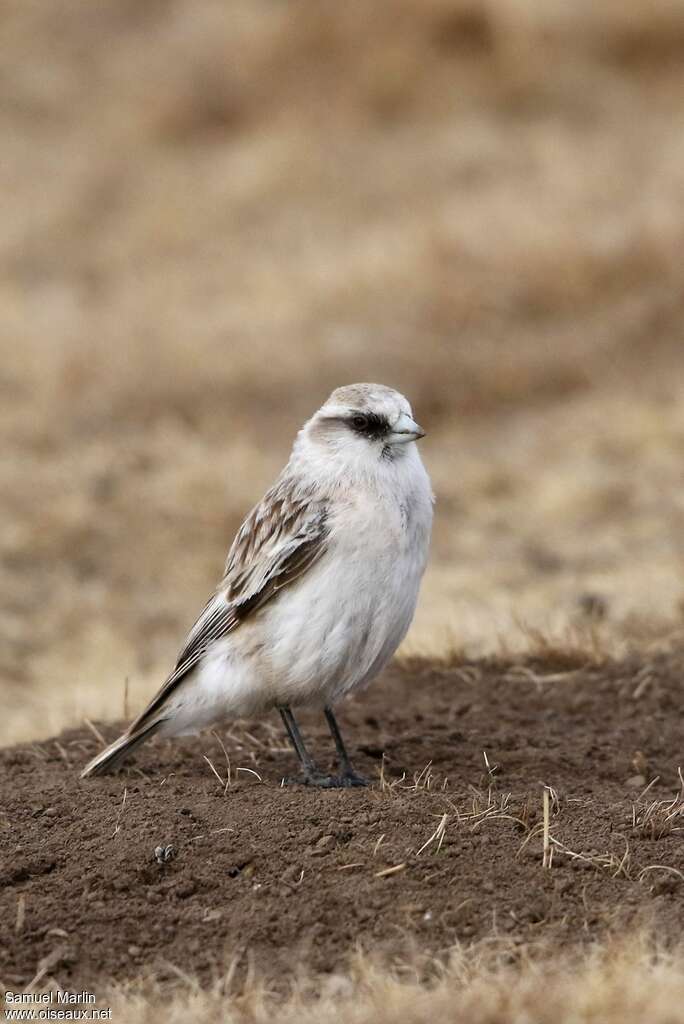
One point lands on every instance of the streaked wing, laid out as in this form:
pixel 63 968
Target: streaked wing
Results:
pixel 280 539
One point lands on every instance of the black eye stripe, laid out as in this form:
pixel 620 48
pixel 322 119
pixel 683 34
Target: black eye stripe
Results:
pixel 369 424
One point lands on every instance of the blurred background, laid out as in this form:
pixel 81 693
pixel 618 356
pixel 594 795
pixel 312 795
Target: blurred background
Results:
pixel 216 211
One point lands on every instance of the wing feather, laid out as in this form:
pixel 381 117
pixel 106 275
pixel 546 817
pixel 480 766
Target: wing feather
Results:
pixel 278 542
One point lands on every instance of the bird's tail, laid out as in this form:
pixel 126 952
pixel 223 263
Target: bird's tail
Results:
pixel 111 757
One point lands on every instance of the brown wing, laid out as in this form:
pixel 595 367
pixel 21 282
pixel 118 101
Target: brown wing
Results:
pixel 280 539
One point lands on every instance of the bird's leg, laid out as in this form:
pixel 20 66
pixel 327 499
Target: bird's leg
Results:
pixel 311 774
pixel 348 776
pixel 305 759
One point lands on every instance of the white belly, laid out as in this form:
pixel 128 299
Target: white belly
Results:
pixel 341 628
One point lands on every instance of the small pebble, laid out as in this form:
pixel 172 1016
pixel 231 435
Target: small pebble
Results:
pixel 163 854
pixel 134 951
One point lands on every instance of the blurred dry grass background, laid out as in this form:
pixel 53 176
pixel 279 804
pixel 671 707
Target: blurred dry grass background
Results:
pixel 496 983
pixel 214 213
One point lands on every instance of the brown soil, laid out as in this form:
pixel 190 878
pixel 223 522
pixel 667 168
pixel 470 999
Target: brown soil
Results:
pixel 288 877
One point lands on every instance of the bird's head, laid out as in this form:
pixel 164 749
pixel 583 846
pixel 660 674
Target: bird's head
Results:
pixel 363 426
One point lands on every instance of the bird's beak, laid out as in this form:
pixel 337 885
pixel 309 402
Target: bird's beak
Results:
pixel 406 429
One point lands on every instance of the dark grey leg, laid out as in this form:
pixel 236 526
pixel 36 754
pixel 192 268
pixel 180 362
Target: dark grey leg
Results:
pixel 296 740
pixel 311 774
pixel 348 777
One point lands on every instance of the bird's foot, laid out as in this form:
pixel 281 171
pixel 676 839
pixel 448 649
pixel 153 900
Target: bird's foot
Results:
pixel 320 780
pixel 353 778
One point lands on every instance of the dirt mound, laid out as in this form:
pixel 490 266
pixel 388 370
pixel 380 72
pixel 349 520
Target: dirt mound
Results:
pixel 167 868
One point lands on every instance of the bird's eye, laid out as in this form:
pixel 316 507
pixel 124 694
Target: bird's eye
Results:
pixel 359 421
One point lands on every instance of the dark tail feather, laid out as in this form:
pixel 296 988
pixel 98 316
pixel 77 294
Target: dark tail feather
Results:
pixel 111 757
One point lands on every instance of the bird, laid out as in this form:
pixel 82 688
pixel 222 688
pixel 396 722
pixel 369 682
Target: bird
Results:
pixel 319 589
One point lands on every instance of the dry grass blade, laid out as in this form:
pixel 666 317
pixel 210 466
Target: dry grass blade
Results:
pixel 484 807
pixel 227 759
pixel 214 832
pixel 389 785
pixel 62 752
pixel 603 861
pixel 117 825
pixel 659 818
pixel 21 913
pixel 424 778
pixel 649 786
pixel 547 854
pixel 95 731
pixel 437 836
pixel 386 872
pixel 222 782
pixel 660 867
pixel 491 769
